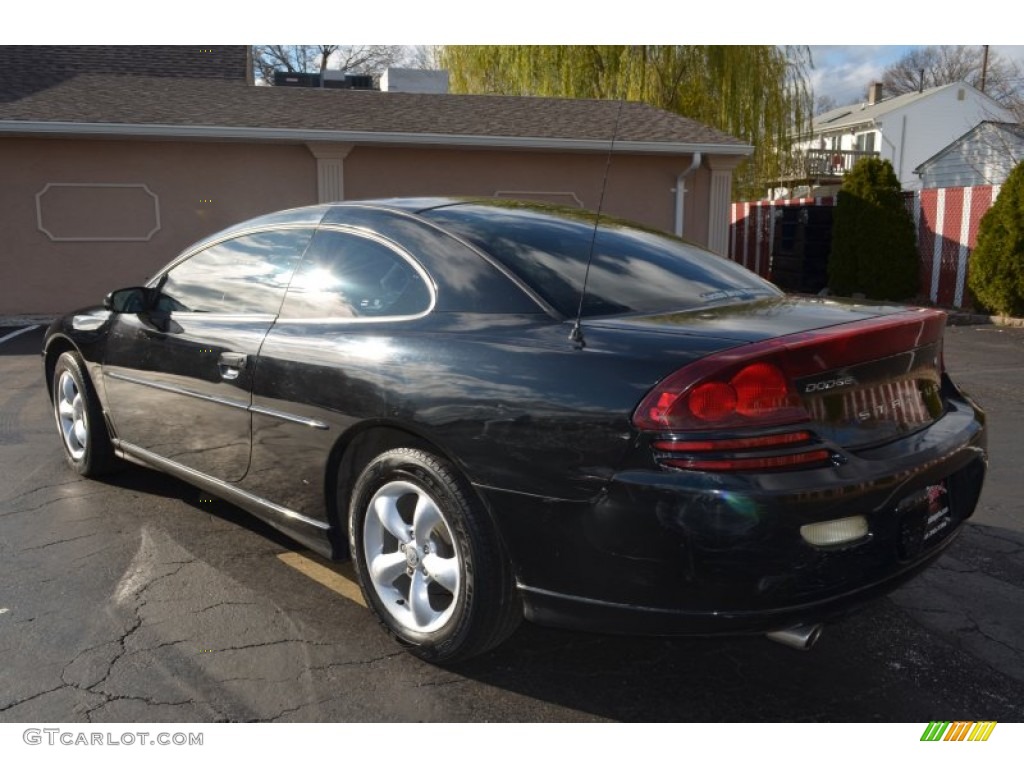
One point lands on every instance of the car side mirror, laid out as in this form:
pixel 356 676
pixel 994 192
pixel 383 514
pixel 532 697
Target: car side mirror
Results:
pixel 127 300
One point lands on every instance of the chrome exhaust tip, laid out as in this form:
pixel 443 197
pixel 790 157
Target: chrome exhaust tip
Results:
pixel 802 636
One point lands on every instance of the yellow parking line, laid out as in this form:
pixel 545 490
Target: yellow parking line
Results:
pixel 338 577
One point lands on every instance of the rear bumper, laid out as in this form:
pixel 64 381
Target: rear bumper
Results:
pixel 575 612
pixel 678 552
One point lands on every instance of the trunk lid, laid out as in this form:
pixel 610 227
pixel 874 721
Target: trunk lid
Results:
pixel 888 385
pixel 857 375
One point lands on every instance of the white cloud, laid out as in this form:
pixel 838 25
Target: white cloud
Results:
pixel 845 71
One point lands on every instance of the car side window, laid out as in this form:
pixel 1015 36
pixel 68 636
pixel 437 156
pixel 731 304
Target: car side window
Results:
pixel 346 275
pixel 243 275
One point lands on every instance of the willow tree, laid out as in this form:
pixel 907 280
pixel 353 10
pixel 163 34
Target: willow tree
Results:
pixel 758 93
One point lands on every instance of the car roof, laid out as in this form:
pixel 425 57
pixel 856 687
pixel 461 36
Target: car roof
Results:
pixel 328 213
pixel 312 215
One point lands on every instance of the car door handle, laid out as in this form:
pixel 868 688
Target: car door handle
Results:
pixel 230 364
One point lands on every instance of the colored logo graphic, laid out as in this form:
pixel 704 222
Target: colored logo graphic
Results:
pixel 958 731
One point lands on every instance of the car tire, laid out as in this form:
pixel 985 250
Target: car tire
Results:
pixel 429 561
pixel 80 423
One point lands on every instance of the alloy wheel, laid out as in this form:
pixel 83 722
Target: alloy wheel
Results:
pixel 71 415
pixel 412 561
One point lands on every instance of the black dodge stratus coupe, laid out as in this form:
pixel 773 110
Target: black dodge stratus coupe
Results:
pixel 426 387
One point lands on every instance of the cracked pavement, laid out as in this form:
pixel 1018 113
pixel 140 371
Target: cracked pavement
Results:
pixel 133 600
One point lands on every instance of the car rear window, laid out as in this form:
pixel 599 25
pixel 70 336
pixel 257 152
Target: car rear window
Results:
pixel 633 269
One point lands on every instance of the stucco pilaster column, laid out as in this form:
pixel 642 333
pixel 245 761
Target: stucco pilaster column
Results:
pixel 330 169
pixel 720 197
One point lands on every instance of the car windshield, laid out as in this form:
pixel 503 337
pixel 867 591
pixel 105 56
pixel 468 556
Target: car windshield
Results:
pixel 634 270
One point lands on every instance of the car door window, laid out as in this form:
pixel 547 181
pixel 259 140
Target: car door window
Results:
pixel 243 275
pixel 345 275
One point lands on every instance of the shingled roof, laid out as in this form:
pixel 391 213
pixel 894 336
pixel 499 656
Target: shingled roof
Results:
pixel 842 118
pixel 102 102
pixel 25 69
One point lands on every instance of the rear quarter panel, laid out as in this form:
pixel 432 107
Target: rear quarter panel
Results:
pixel 509 399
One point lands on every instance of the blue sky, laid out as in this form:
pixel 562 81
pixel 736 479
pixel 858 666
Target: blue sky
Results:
pixel 844 71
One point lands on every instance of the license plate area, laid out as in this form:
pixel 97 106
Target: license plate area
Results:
pixel 926 518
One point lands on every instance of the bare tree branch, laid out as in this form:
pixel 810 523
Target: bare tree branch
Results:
pixel 354 59
pixel 422 57
pixel 824 103
pixel 937 65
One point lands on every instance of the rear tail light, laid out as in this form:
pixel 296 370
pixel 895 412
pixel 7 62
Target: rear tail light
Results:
pixel 752 388
pixel 805 460
pixel 757 393
pixel 738 454
pixel 786 439
pixel 752 385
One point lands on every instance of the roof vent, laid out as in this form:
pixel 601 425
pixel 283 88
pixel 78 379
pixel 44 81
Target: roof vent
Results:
pixel 397 79
pixel 336 79
pixel 297 79
pixel 331 79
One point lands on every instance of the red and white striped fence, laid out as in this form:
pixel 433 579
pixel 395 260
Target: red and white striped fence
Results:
pixel 947 230
pixel 946 221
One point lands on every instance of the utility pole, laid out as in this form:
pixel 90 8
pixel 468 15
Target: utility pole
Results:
pixel 984 67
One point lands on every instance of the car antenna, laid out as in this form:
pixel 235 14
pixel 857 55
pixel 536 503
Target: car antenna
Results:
pixel 576 334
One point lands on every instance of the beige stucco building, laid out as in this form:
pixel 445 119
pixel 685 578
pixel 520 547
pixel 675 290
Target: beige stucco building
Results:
pixel 113 159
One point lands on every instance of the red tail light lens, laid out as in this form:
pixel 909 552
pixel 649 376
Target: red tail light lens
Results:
pixel 713 401
pixel 659 410
pixel 752 463
pixel 751 385
pixel 760 389
pixel 757 394
pixel 743 453
pixel 783 440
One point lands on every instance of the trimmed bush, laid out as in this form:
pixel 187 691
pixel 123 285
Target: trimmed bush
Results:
pixel 996 274
pixel 874 249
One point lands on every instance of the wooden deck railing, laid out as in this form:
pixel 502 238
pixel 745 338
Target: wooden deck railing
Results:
pixel 822 164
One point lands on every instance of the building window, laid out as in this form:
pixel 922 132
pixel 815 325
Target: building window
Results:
pixel 866 142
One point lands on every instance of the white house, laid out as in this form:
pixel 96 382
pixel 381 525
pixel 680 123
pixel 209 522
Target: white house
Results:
pixel 906 130
pixel 984 155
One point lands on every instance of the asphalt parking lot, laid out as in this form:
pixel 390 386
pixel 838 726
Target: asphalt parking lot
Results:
pixel 140 599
